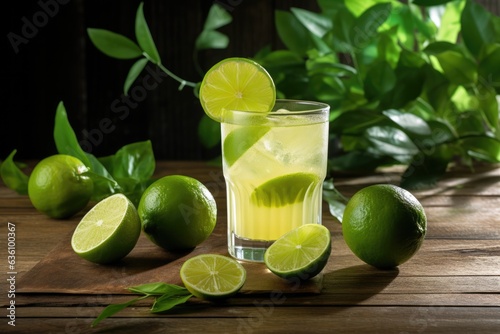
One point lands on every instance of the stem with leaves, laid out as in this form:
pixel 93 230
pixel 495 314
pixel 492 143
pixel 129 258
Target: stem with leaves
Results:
pixel 166 297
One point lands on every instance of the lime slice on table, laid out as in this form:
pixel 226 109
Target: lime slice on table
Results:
pixel 108 232
pixel 236 84
pixel 283 190
pixel 301 253
pixel 212 276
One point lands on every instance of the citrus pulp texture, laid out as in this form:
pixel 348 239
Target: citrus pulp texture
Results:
pixel 301 253
pixel 212 276
pixel 57 186
pixel 236 84
pixel 177 212
pixel 108 232
pixel 384 225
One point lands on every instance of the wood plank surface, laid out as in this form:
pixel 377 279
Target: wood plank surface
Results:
pixel 452 285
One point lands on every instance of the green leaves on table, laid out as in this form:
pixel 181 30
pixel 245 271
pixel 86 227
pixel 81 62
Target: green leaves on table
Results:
pixel 403 89
pixel 166 297
pixel 128 171
pixel 13 176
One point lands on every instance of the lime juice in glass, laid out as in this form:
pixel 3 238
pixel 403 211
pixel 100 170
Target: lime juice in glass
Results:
pixel 274 165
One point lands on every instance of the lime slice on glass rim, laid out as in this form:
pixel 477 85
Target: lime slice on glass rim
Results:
pixel 236 84
pixel 212 276
pixel 301 253
pixel 108 232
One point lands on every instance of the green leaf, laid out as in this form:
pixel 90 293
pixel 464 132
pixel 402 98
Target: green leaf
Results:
pixel 65 138
pixel 488 69
pixel 66 143
pixel 113 309
pixel 408 122
pixel 356 121
pixel 315 23
pixel 134 161
pixel 133 73
pixel 426 169
pixel 366 26
pixel 168 301
pixel 430 3
pixel 211 39
pixel 292 33
pixel 336 201
pixel 487 102
pixel 343 23
pixel 209 132
pixel 387 47
pixel 449 27
pixel 217 17
pixel 159 288
pixel 357 7
pixel 103 186
pixel 482 148
pixel 379 80
pixel 113 44
pixel 391 141
pixel 143 36
pixel 12 176
pixel 477 27
pixel 456 65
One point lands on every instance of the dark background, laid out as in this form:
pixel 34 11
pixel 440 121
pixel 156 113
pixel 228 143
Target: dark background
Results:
pixel 59 63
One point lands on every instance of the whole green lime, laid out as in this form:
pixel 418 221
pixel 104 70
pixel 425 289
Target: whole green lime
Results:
pixel 177 212
pixel 384 225
pixel 57 186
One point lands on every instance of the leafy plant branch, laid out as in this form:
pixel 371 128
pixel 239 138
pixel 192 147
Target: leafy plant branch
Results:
pixel 403 88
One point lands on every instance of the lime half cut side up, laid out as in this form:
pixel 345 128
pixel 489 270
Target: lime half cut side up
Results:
pixel 212 276
pixel 108 232
pixel 236 84
pixel 301 253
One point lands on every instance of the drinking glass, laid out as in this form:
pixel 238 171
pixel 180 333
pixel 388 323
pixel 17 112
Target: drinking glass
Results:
pixel 274 165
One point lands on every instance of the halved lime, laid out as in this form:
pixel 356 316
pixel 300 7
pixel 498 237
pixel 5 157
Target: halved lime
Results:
pixel 301 253
pixel 212 276
pixel 236 84
pixel 283 190
pixel 108 232
pixel 240 140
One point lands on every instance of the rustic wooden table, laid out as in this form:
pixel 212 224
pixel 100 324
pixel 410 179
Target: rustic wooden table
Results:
pixel 452 285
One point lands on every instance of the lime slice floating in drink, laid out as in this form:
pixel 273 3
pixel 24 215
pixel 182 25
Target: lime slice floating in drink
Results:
pixel 301 253
pixel 212 276
pixel 108 232
pixel 283 190
pixel 240 140
pixel 236 84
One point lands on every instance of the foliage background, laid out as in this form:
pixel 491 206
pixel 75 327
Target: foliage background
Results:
pixel 72 70
pixel 60 63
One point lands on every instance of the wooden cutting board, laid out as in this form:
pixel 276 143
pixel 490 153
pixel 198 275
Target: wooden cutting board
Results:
pixel 62 271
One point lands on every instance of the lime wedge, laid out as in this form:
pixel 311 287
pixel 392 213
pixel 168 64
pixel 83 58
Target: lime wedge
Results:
pixel 283 190
pixel 212 276
pixel 108 232
pixel 236 84
pixel 301 253
pixel 240 140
